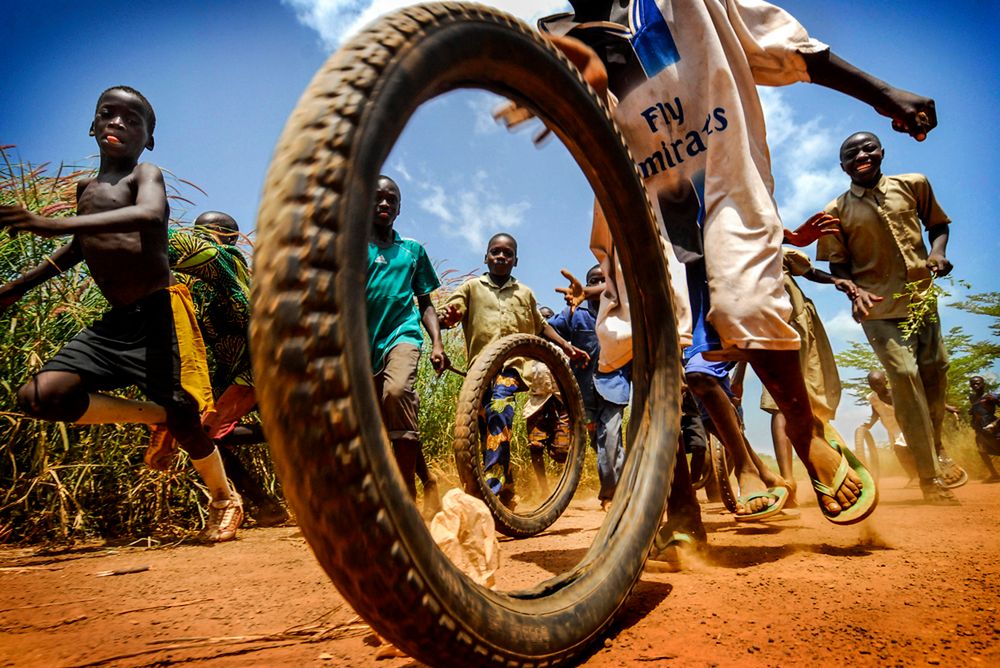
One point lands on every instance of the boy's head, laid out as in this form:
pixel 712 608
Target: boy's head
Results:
pixel 387 202
pixel 595 276
pixel 501 254
pixel 877 381
pixel 977 384
pixel 546 312
pixel 861 157
pixel 123 122
pixel 221 226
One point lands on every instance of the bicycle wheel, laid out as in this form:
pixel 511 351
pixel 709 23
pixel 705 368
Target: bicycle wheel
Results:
pixel 311 354
pixel 521 521
pixel 723 466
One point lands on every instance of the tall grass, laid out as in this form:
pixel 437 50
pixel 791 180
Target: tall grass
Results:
pixel 58 482
pixel 61 483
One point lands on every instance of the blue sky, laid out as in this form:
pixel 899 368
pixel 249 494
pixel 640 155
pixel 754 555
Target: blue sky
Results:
pixel 223 76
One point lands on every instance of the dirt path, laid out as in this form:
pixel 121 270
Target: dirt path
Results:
pixel 913 586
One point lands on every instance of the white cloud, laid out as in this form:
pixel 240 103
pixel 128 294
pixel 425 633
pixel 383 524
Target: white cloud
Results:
pixel 844 327
pixel 469 208
pixel 336 20
pixel 807 175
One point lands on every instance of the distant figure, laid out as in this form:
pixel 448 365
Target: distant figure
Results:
pixel 398 271
pixel 983 410
pixel 605 393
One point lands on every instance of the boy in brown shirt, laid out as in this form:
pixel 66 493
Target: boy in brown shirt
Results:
pixel 880 247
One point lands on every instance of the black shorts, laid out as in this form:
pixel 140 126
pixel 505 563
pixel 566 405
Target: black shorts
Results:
pixel 129 345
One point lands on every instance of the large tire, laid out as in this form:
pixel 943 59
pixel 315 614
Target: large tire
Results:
pixel 311 357
pixel 468 449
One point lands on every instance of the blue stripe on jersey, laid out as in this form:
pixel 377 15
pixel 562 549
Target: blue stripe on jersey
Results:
pixel 651 38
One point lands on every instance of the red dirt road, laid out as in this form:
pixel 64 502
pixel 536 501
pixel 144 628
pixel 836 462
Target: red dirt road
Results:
pixel 914 586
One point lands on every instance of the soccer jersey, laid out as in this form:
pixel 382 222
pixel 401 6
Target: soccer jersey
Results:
pixel 396 275
pixel 694 124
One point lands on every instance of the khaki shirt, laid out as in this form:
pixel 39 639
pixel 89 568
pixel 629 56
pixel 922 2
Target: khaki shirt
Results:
pixel 490 312
pixel 881 238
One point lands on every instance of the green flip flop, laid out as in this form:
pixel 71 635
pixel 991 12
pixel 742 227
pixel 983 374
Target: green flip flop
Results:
pixel 780 496
pixel 865 504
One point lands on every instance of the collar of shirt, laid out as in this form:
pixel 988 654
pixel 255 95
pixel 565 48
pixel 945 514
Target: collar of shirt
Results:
pixel 860 191
pixel 488 282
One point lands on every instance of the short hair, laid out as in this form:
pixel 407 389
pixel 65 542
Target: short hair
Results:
pixel 855 134
pixel 146 106
pixel 590 271
pixel 500 235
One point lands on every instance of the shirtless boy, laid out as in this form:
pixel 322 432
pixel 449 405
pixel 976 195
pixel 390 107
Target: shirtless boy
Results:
pixel 120 231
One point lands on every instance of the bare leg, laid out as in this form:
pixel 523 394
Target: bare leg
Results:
pixel 783 453
pixel 727 427
pixel 407 451
pixel 105 409
pixel 432 500
pixel 781 374
pixel 538 466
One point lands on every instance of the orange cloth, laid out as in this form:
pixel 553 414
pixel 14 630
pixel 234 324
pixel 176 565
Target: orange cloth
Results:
pixel 191 347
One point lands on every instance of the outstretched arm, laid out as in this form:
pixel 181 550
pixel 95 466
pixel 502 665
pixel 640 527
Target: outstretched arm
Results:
pixel 574 353
pixel 150 205
pixel 910 113
pixel 428 316
pixel 62 259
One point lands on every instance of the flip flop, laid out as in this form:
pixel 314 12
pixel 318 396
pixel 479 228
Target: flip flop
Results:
pixel 947 463
pixel 780 496
pixel 865 504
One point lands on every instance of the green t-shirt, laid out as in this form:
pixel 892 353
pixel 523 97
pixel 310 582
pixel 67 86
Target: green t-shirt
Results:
pixel 395 276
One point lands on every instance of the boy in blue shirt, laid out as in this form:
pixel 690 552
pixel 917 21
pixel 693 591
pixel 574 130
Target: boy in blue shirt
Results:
pixel 398 271
pixel 605 395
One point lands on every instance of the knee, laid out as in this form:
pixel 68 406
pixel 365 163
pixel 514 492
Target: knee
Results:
pixel 700 383
pixel 394 395
pixel 51 402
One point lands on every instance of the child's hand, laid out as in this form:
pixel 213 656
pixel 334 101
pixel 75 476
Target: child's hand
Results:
pixel 16 219
pixel 576 355
pixel 910 113
pixel 846 286
pixel 511 115
pixel 808 232
pixel 862 304
pixel 573 295
pixel 939 264
pixel 439 359
pixel 450 316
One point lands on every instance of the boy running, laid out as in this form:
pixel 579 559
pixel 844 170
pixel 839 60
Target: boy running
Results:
pixel 398 271
pixel 490 307
pixel 880 247
pixel 684 73
pixel 149 337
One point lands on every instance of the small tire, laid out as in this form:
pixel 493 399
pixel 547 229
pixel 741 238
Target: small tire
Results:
pixel 723 467
pixel 468 454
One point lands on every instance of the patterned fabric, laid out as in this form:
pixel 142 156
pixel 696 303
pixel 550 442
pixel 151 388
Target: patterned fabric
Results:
pixel 219 281
pixel 191 347
pixel 498 411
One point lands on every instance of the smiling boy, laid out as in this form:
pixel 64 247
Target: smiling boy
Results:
pixel 149 337
pixel 880 247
